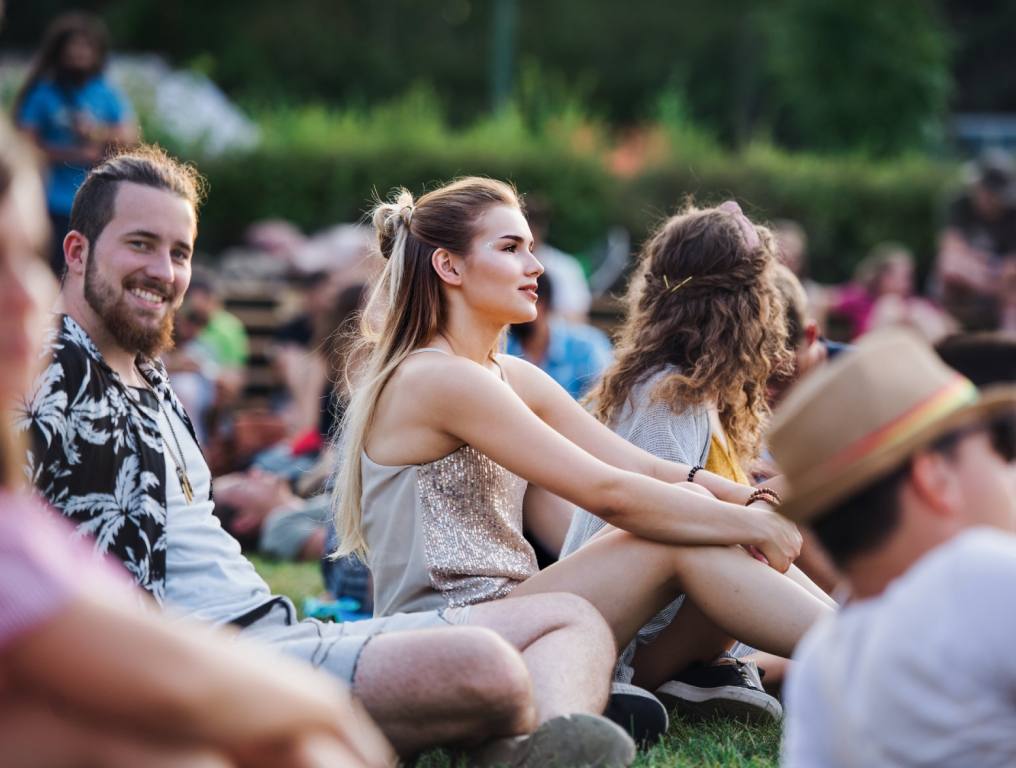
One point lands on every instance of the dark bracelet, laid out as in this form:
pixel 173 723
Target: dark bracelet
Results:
pixel 768 495
pixel 691 473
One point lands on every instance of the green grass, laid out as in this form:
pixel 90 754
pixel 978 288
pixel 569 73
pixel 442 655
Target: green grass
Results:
pixel 718 744
pixel 295 580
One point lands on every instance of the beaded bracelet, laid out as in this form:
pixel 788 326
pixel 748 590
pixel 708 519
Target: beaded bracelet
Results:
pixel 768 495
pixel 691 473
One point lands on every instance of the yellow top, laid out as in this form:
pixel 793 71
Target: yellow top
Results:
pixel 723 461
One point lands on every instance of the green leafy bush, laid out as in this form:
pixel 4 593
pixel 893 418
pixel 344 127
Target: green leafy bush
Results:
pixel 317 167
pixel 846 204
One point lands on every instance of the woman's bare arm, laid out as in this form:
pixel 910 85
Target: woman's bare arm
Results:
pixel 555 406
pixel 462 401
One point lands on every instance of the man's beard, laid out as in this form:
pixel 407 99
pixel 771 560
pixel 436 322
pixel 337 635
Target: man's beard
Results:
pixel 119 319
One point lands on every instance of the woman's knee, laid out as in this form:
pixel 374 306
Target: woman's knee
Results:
pixel 677 562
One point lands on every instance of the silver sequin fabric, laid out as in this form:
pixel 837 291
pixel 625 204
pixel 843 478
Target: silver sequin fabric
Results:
pixel 471 515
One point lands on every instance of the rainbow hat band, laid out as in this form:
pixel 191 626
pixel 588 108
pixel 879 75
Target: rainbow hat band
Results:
pixel 860 417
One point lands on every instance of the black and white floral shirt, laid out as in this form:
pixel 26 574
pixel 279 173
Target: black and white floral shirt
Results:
pixel 96 451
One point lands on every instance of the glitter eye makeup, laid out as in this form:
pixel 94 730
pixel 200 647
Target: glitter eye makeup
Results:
pixel 499 243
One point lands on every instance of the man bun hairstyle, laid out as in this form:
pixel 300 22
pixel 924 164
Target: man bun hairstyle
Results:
pixel 148 165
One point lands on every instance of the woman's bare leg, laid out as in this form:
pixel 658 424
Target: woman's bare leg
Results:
pixel 798 576
pixel 630 579
pixel 692 637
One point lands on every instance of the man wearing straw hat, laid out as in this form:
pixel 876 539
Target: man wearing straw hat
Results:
pixel 905 473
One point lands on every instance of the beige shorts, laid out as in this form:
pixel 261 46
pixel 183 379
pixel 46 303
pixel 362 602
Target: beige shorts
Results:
pixel 336 647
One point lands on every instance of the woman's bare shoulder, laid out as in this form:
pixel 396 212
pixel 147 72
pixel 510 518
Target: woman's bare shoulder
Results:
pixel 436 374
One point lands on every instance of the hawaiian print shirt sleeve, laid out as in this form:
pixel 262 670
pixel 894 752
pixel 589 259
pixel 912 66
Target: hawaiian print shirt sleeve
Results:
pixel 95 453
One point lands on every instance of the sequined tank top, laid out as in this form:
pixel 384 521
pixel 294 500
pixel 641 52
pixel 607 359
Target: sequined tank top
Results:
pixel 446 533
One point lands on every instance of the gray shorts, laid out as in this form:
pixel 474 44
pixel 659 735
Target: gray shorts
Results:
pixel 336 647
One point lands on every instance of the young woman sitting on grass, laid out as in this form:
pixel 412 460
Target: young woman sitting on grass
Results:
pixel 704 333
pixel 443 436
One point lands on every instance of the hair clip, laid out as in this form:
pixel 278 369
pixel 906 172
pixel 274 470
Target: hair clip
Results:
pixel 679 286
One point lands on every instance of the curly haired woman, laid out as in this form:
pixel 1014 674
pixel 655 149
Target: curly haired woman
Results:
pixel 703 334
pixel 443 436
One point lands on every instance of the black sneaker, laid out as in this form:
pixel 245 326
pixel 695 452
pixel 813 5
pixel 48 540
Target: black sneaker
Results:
pixel 637 711
pixel 729 688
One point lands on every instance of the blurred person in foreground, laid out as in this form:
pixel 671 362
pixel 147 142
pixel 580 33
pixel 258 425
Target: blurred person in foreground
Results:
pixel 114 451
pixel 974 272
pixel 90 678
pixel 72 112
pixel 905 473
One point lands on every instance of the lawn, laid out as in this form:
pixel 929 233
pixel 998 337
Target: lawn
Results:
pixel 715 745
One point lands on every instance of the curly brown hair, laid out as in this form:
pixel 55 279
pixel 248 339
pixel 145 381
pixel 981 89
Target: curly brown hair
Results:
pixel 702 299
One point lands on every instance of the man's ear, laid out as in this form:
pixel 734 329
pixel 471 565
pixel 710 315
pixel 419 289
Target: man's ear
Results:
pixel 76 252
pixel 447 265
pixel 935 484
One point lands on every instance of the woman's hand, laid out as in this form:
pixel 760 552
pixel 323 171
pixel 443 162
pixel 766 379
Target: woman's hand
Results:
pixel 779 540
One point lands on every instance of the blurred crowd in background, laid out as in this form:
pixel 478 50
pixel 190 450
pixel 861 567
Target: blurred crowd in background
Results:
pixel 263 334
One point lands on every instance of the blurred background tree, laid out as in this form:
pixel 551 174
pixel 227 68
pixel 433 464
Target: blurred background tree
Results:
pixel 811 74
pixel 831 112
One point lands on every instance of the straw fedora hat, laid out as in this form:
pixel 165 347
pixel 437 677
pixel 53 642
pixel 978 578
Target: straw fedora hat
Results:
pixel 860 417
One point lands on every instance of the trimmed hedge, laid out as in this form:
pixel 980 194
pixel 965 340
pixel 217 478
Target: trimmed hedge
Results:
pixel 846 205
pixel 317 169
pixel 316 189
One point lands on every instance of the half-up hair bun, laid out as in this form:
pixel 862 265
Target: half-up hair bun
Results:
pixel 392 219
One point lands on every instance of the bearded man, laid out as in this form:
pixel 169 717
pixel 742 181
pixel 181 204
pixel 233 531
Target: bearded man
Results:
pixel 114 451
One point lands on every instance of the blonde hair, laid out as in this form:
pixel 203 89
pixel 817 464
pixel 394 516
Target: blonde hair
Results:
pixel 702 299
pixel 405 310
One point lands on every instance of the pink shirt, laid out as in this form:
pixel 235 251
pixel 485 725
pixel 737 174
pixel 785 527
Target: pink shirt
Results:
pixel 43 566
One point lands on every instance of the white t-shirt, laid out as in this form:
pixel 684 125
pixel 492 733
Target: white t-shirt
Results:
pixel 918 676
pixel 207 576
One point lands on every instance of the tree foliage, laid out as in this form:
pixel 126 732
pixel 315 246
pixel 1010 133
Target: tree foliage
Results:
pixel 821 74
